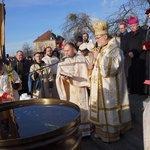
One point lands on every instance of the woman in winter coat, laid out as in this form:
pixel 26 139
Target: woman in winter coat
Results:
pixel 40 79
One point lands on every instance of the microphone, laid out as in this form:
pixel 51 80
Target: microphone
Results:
pixel 63 58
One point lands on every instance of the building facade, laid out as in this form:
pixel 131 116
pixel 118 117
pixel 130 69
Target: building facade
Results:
pixel 45 40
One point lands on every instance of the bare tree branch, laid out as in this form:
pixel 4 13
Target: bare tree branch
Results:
pixel 27 50
pixel 132 7
pixel 75 25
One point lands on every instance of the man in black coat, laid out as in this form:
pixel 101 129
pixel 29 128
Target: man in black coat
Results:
pixel 124 46
pixel 146 48
pixel 137 55
pixel 22 66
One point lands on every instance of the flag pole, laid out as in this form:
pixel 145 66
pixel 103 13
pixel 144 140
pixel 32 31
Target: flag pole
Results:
pixel 2 32
pixel 2 29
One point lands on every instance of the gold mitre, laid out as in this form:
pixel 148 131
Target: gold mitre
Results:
pixel 100 27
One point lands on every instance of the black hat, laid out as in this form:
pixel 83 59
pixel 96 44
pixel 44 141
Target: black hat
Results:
pixel 147 11
pixel 79 39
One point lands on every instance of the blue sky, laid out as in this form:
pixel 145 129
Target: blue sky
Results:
pixel 28 19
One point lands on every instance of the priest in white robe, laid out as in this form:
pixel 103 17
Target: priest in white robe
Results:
pixel 52 62
pixel 72 82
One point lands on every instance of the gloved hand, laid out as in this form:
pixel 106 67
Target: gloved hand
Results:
pixel 15 86
pixel 10 97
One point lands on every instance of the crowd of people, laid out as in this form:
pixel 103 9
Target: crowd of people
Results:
pixel 95 76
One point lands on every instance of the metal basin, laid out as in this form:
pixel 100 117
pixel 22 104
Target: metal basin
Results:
pixel 40 124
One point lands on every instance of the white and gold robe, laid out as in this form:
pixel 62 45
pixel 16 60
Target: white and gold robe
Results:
pixel 75 89
pixel 146 127
pixel 109 102
pixel 4 86
pixel 53 61
pixel 13 77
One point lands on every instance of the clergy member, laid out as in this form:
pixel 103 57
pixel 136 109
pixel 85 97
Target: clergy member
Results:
pixel 72 82
pixel 109 102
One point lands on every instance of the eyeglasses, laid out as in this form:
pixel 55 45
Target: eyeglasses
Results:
pixel 97 38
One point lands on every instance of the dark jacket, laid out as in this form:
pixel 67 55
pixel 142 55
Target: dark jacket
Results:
pixel 137 70
pixel 147 45
pixel 135 43
pixel 124 42
pixel 147 38
pixel 124 46
pixel 23 73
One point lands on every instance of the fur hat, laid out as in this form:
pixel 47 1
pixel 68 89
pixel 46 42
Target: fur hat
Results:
pixel 132 20
pixel 100 27
pixel 86 46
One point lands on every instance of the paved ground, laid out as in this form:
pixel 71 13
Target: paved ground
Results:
pixel 89 144
pixel 131 140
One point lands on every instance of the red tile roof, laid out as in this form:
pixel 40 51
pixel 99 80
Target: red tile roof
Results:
pixel 46 36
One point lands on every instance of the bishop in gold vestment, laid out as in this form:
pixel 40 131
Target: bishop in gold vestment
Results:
pixel 109 102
